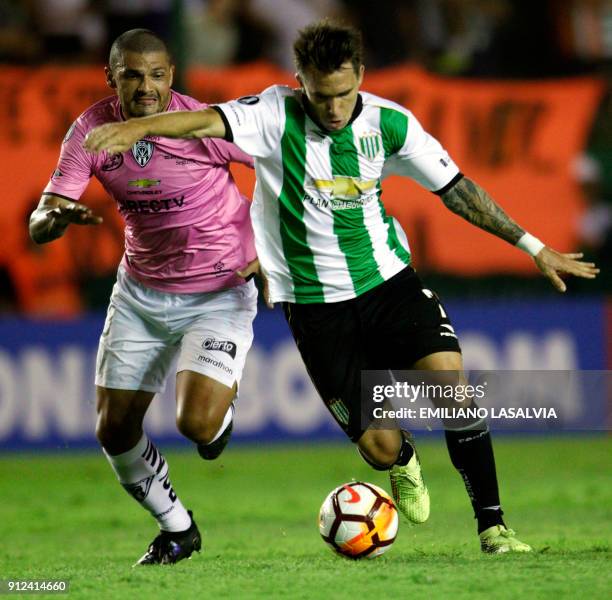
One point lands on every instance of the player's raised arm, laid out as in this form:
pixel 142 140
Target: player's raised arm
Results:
pixel 53 215
pixel 120 137
pixel 468 200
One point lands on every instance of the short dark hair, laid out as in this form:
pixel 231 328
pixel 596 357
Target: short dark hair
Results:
pixel 326 45
pixel 136 40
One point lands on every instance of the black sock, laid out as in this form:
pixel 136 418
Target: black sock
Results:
pixel 471 453
pixel 406 451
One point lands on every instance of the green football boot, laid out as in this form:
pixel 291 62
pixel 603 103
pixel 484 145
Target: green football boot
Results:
pixel 409 490
pixel 499 539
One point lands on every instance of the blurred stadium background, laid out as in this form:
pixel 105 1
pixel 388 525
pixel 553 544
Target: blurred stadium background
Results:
pixel 518 91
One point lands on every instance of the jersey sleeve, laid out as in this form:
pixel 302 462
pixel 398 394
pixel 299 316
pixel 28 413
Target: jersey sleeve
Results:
pixel 226 152
pixel 75 166
pixel 414 153
pixel 253 122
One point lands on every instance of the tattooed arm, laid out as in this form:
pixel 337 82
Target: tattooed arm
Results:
pixel 468 200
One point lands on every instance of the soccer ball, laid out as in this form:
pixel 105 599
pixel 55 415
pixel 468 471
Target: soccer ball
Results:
pixel 358 520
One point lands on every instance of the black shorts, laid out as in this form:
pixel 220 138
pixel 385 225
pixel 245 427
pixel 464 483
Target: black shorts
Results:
pixel 387 328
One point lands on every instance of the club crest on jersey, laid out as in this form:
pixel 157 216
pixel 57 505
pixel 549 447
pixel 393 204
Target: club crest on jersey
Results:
pixel 142 151
pixel 339 410
pixel 370 145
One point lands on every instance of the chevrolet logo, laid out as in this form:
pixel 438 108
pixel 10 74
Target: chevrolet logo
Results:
pixel 143 183
pixel 345 188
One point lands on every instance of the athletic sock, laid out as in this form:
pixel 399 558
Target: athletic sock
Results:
pixel 471 453
pixel 488 517
pixel 406 451
pixel 227 419
pixel 144 473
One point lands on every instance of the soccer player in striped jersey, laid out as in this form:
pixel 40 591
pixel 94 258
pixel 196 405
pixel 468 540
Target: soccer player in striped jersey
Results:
pixel 340 266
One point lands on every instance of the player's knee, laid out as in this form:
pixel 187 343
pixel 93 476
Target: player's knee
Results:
pixel 106 430
pixel 381 457
pixel 113 428
pixel 379 454
pixel 200 429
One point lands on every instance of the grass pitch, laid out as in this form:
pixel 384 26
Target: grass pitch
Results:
pixel 65 517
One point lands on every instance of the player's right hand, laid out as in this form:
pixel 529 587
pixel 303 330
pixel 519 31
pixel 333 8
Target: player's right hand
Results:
pixel 75 213
pixel 114 137
pixel 254 268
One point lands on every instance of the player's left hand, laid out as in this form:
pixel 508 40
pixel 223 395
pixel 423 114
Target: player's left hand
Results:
pixel 254 268
pixel 114 137
pixel 551 263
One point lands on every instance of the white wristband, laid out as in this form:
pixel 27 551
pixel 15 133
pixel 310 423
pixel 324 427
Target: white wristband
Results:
pixel 530 244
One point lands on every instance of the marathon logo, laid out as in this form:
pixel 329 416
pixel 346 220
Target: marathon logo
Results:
pixel 220 346
pixel 150 206
pixel 215 363
pixel 112 162
pixel 69 132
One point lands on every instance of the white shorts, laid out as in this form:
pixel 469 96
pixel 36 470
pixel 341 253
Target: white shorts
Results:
pixel 145 330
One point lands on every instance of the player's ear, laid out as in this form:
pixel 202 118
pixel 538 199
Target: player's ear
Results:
pixel 171 75
pixel 298 78
pixel 361 72
pixel 110 80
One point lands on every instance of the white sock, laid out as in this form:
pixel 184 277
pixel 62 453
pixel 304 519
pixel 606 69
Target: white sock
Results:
pixel 143 472
pixel 227 419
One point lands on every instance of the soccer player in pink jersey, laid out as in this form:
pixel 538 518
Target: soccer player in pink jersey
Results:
pixel 180 291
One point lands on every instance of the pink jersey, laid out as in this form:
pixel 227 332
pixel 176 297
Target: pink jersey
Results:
pixel 187 227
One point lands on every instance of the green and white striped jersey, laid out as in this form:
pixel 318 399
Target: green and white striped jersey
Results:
pixel 321 230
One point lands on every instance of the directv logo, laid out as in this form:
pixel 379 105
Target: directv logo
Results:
pixel 220 345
